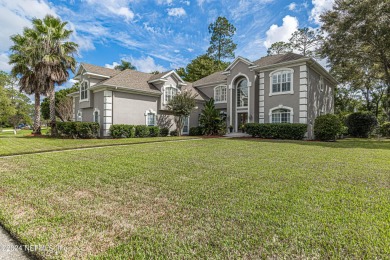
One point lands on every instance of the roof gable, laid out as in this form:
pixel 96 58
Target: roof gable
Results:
pixel 275 59
pixel 96 70
pixel 236 61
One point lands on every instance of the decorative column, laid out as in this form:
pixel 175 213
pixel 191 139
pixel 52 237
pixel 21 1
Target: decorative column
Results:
pixel 107 113
pixel 231 105
pixel 74 109
pixel 303 94
pixel 261 98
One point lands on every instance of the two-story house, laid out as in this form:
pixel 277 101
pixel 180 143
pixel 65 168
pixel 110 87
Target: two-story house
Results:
pixel 284 88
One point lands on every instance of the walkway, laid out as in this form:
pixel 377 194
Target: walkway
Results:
pixel 9 249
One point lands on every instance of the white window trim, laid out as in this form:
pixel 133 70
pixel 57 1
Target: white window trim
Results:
pixel 79 116
pixel 281 92
pixel 282 107
pixel 247 82
pixel 169 86
pixel 96 110
pixel 322 83
pixel 87 90
pixel 215 89
pixel 150 111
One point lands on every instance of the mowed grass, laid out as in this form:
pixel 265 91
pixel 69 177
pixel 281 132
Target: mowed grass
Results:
pixel 213 198
pixel 24 143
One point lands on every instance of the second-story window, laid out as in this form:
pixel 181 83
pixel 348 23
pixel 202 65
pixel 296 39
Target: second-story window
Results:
pixel 281 81
pixel 220 94
pixel 84 91
pixel 169 93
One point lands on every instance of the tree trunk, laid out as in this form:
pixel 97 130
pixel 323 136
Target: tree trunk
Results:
pixel 52 99
pixel 37 116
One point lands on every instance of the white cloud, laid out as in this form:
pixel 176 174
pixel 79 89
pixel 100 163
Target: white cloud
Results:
pixel 167 2
pixel 281 33
pixel 186 2
pixel 319 7
pixel 116 7
pixel 111 66
pixel 176 11
pixel 4 62
pixel 190 49
pixel 146 64
pixel 292 6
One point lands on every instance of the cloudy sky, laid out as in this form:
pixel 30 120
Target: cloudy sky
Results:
pixel 160 34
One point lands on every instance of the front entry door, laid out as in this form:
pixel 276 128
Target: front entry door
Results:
pixel 242 119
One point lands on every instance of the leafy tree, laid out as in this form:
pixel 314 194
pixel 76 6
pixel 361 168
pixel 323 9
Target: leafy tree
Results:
pixel 357 38
pixel 181 72
pixel 6 108
pixel 181 107
pixel 279 48
pixel 155 72
pixel 221 42
pixel 201 67
pixel 210 119
pixel 304 40
pixel 125 65
pixel 63 104
pixel 23 108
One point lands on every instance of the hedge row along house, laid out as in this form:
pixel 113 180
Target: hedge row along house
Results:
pixel 284 88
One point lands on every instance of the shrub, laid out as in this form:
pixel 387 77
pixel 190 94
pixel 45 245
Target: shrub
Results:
pixel 141 131
pixel 194 131
pixel 85 130
pixel 154 131
pixel 277 131
pixel 327 127
pixel 173 133
pixel 385 129
pixel 164 131
pixel 360 124
pixel 122 131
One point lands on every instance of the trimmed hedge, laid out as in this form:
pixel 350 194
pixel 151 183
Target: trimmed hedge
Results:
pixel 173 133
pixel 83 130
pixel 277 131
pixel 385 129
pixel 141 131
pixel 154 131
pixel 122 131
pixel 361 124
pixel 198 130
pixel 164 131
pixel 327 127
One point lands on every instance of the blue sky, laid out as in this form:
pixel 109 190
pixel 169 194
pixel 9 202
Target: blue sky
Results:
pixel 160 34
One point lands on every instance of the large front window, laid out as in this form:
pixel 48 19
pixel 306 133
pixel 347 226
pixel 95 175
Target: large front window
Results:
pixel 242 93
pixel 84 91
pixel 281 81
pixel 281 116
pixel 220 94
pixel 169 93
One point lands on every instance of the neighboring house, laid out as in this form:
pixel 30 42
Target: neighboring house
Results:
pixel 285 88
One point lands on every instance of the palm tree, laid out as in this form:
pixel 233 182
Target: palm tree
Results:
pixel 24 59
pixel 57 57
pixel 125 65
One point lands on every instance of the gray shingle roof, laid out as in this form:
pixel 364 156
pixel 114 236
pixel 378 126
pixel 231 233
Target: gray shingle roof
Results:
pixel 190 87
pixel 213 78
pixel 160 75
pixel 279 58
pixel 131 79
pixel 100 70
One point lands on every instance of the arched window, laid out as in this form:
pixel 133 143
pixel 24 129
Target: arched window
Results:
pixel 220 94
pixel 96 116
pixel 84 91
pixel 242 93
pixel 281 81
pixel 169 92
pixel 281 115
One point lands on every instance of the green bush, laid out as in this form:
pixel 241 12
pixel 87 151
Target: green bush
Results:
pixel 194 131
pixel 361 124
pixel 84 130
pixel 277 131
pixel 154 131
pixel 122 131
pixel 164 131
pixel 141 131
pixel 173 133
pixel 385 129
pixel 327 127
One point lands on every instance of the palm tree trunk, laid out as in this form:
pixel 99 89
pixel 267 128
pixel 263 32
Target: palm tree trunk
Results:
pixel 37 115
pixel 52 99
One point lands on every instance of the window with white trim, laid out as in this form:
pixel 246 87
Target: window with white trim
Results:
pixel 281 115
pixel 242 93
pixel 169 92
pixel 79 116
pixel 281 81
pixel 84 90
pixel 321 83
pixel 220 94
pixel 96 116
pixel 151 119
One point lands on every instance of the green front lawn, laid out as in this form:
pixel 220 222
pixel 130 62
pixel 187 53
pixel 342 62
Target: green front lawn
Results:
pixel 24 143
pixel 212 198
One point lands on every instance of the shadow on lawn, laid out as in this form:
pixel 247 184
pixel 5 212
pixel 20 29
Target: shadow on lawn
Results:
pixel 349 143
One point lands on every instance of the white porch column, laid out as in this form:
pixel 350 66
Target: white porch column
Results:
pixel 261 99
pixel 303 94
pixel 107 113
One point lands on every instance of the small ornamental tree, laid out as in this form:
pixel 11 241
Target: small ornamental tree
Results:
pixel 210 119
pixel 181 107
pixel 327 127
